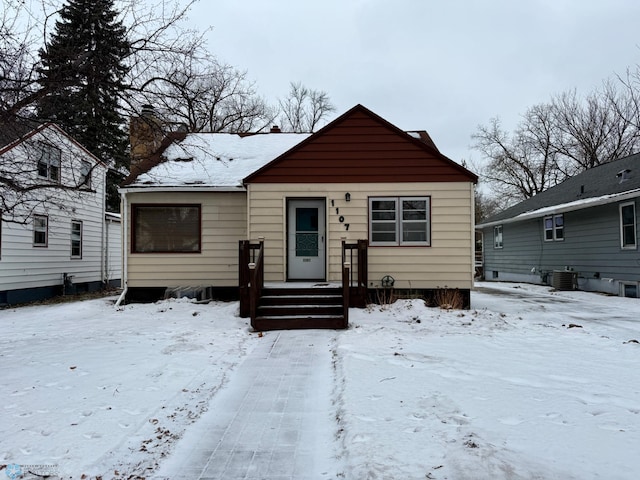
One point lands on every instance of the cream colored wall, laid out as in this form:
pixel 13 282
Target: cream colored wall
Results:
pixel 447 262
pixel 224 223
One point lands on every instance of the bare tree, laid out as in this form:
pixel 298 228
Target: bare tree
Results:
pixel 205 95
pixel 519 165
pixel 629 106
pixel 556 140
pixel 596 129
pixel 154 31
pixel 304 109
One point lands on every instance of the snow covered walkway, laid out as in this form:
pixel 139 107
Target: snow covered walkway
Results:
pixel 271 421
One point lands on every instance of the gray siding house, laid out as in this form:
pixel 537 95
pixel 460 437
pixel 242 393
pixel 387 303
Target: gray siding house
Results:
pixel 579 234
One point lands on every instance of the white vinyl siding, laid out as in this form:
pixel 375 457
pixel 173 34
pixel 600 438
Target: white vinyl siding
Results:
pixel 46 266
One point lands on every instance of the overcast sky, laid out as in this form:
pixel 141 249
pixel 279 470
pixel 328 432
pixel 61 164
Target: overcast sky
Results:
pixel 444 66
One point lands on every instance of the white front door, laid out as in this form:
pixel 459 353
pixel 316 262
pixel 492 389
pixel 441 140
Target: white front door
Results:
pixel 306 239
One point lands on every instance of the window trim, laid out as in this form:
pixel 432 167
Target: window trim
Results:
pixel 36 230
pixel 134 217
pixel 80 240
pixel 633 246
pixel 399 221
pixel 498 229
pixel 46 159
pixel 554 228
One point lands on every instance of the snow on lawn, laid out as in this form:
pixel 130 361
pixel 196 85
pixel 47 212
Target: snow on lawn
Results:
pixel 93 390
pixel 546 387
pixel 529 383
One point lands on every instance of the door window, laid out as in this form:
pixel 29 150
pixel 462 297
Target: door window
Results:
pixel 306 232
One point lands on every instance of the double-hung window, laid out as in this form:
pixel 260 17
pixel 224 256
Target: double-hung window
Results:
pixel 628 225
pixel 399 221
pixel 553 228
pixel 166 229
pixel 40 230
pixel 85 174
pixel 76 239
pixel 49 160
pixel 497 236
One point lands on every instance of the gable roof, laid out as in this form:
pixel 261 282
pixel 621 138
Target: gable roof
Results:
pixel 360 146
pixel 229 161
pixel 23 131
pixel 610 182
pixel 15 129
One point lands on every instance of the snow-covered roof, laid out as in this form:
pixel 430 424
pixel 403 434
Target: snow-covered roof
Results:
pixel 596 186
pixel 216 159
pixel 566 207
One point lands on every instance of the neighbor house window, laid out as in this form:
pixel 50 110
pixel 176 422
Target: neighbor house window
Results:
pixel 497 236
pixel 628 225
pixel 399 221
pixel 40 230
pixel 76 239
pixel 166 229
pixel 49 162
pixel 85 174
pixel 553 228
pixel 629 289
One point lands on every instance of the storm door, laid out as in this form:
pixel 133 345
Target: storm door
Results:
pixel 306 239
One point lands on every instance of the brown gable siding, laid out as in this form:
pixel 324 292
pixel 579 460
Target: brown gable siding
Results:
pixel 361 147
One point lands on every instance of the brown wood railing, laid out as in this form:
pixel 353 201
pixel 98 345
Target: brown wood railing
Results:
pixel 346 268
pixel 251 275
pixel 356 254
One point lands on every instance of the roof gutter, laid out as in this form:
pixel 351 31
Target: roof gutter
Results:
pixel 181 188
pixel 565 207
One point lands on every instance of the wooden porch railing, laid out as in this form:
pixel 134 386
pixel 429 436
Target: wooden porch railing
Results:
pixel 356 254
pixel 251 275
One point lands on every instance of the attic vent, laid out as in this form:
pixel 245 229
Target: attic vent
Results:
pixel 275 129
pixel 623 175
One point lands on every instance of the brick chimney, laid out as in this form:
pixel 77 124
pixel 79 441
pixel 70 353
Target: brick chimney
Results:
pixel 275 129
pixel 146 132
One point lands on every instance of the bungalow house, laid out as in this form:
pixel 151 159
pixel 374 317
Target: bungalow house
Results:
pixel 359 192
pixel 581 233
pixel 55 235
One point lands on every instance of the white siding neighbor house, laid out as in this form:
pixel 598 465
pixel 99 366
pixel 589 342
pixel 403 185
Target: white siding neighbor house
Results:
pixel 360 194
pixel 55 235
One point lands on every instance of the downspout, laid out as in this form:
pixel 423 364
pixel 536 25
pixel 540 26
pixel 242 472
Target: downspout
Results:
pixel 103 221
pixel 124 208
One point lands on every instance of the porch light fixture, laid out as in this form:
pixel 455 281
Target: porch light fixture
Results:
pixel 347 197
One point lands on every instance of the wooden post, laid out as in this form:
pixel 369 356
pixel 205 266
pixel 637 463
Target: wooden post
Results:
pixel 244 251
pixel 346 267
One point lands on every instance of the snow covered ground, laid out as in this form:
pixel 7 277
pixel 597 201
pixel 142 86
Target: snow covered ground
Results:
pixel 528 384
